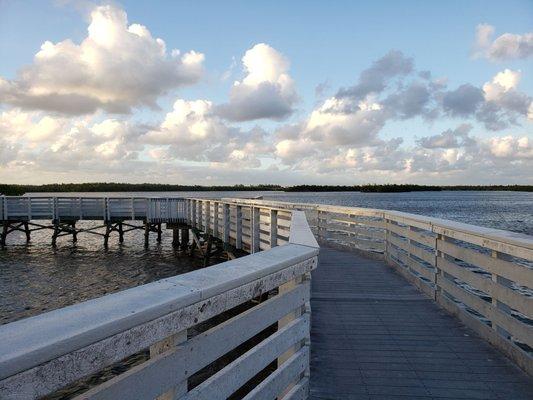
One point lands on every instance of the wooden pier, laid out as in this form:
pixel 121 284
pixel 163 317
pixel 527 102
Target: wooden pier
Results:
pixel 375 336
pixel 115 215
pixel 401 306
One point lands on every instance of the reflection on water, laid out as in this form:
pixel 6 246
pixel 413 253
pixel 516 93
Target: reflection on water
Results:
pixel 36 278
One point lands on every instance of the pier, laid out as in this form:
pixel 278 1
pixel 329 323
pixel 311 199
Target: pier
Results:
pixel 115 215
pixel 331 303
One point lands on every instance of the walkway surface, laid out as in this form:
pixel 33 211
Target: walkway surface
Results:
pixel 374 336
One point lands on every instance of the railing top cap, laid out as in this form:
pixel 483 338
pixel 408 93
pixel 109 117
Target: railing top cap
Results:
pixel 32 341
pixel 509 237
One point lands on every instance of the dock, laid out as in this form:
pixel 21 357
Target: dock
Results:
pixel 115 215
pixel 329 303
pixel 375 336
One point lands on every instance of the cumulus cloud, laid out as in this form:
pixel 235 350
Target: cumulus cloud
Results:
pixel 267 90
pixel 193 131
pixel 463 101
pixel 116 67
pixel 42 142
pixel 511 148
pixel 508 46
pixel 449 139
pixel 376 78
pixel 497 104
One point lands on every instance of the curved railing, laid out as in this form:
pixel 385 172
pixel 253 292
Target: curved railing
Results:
pixel 483 276
pixel 207 333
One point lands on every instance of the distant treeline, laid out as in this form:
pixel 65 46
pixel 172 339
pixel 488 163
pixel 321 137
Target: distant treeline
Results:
pixel 393 188
pixel 14 190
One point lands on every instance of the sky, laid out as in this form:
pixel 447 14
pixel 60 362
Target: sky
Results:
pixel 240 92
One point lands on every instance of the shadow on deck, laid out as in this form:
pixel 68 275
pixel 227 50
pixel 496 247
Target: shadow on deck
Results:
pixel 374 336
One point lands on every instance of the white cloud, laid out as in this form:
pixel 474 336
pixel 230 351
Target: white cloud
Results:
pixel 505 47
pixel 448 139
pixel 192 131
pixel 376 78
pixel 501 83
pixel 116 67
pixel 511 148
pixel 266 92
pixel 498 104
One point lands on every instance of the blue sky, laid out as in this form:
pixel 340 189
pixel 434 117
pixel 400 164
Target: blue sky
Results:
pixel 326 43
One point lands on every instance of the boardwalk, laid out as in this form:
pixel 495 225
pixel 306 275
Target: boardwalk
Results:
pixel 374 336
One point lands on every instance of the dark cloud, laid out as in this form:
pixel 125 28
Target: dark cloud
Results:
pixel 265 100
pixel 449 139
pixel 376 78
pixel 463 101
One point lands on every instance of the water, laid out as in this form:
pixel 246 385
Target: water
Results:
pixel 512 211
pixel 36 278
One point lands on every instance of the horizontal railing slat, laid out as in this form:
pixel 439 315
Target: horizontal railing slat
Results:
pixel 237 373
pixel 170 368
pixel 276 382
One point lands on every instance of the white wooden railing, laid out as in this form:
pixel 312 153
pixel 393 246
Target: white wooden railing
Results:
pixel 157 209
pixel 483 276
pixel 173 318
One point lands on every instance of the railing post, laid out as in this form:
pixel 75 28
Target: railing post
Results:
pixel 215 219
pixel 287 287
pixel 386 250
pixel 498 304
pixel 227 225
pixel 163 346
pixel 207 217
pixel 193 209
pixel 238 227
pixel 255 217
pixel 200 213
pixel 273 228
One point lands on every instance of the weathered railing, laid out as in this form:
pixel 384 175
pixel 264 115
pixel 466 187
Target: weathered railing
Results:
pixel 26 208
pixel 483 276
pixel 174 319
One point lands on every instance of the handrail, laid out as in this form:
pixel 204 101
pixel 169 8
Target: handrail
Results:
pixel 151 209
pixel 42 354
pixel 484 276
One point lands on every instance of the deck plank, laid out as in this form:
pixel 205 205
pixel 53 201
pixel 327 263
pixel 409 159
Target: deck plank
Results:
pixel 375 336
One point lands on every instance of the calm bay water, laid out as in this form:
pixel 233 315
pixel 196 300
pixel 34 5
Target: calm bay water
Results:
pixel 36 278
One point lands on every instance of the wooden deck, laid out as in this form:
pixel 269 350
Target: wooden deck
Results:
pixel 374 336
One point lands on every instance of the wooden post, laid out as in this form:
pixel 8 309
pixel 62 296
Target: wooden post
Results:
pixel 74 232
pixel 200 214
pixel 495 302
pixel 161 347
pixel 273 228
pixel 207 217
pixel 4 233
pixel 255 217
pixel 175 237
pixel 27 231
pixel 158 231
pixel 438 273
pixel 120 232
pixel 238 222
pixel 387 239
pixel 184 238
pixel 193 211
pixel 215 219
pixel 107 233
pixel 287 287
pixel 146 233
pixel 56 233
pixel 227 225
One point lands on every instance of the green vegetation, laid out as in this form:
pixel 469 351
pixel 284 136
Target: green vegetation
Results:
pixel 14 190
